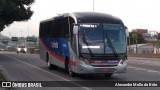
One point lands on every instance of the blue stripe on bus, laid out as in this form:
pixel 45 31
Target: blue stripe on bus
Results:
pixel 73 63
pixel 57 46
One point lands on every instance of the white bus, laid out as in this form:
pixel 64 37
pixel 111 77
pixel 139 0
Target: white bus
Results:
pixel 84 43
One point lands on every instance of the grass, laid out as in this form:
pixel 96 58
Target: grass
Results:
pixel 145 55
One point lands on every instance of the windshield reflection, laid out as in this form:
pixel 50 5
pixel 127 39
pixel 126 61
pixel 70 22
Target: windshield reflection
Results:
pixel 92 38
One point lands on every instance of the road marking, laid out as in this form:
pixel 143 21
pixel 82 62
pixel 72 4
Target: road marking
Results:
pixel 142 69
pixel 146 63
pixel 143 58
pixel 48 72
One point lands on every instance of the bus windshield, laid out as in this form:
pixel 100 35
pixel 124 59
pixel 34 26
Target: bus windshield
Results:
pixel 102 38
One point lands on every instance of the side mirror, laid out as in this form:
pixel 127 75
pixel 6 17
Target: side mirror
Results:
pixel 127 32
pixel 75 30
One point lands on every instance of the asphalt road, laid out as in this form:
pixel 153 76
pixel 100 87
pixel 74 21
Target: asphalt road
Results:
pixel 29 67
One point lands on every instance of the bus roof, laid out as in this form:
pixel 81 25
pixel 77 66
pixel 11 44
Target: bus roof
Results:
pixel 89 17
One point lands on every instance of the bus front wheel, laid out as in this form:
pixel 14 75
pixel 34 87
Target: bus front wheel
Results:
pixel 71 73
pixel 68 67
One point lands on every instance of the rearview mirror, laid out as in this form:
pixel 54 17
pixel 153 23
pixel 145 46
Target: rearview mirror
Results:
pixel 75 30
pixel 127 32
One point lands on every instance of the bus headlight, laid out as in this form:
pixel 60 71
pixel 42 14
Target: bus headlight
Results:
pixel 86 62
pixel 122 60
pixel 25 49
pixel 19 49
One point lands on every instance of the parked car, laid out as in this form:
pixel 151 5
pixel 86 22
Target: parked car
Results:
pixel 1 49
pixel 21 49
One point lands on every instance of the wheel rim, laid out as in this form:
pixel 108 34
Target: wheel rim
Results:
pixel 69 70
pixel 48 64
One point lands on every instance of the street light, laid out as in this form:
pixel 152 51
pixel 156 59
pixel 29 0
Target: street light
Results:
pixel 135 37
pixel 21 33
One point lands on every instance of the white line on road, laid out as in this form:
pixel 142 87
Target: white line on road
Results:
pixel 142 69
pixel 143 58
pixel 145 63
pixel 48 72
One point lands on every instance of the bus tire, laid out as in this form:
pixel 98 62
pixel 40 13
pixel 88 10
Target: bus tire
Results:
pixel 50 66
pixel 54 67
pixel 68 68
pixel 71 73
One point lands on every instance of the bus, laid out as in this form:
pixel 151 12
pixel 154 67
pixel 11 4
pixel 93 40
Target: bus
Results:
pixel 84 43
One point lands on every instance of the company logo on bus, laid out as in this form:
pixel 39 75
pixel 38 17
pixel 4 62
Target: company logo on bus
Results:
pixel 106 62
pixel 54 44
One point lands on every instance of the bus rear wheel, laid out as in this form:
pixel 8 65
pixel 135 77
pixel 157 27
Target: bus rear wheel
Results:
pixel 51 66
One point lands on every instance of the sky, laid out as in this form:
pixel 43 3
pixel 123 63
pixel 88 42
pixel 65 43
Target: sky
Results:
pixel 135 14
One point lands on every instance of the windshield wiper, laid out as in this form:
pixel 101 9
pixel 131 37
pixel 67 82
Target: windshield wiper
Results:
pixel 111 44
pixel 84 40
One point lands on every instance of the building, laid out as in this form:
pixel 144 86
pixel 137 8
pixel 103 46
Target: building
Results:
pixel 148 36
pixel 141 31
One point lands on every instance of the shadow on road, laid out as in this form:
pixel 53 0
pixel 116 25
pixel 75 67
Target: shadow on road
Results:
pixel 84 77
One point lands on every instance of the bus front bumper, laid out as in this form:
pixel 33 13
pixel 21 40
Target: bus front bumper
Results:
pixel 83 68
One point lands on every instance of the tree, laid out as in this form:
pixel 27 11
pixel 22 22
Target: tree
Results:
pixel 158 40
pixel 14 10
pixel 133 36
pixel 158 36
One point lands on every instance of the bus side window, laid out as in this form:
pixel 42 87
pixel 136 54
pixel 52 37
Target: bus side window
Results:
pixel 51 29
pixel 65 28
pixel 67 36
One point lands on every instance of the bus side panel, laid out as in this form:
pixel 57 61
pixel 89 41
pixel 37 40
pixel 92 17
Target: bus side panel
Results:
pixel 73 59
pixel 42 50
pixel 58 50
pixel 64 47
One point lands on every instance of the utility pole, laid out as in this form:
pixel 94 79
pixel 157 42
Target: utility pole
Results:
pixel 21 33
pixel 133 39
pixel 129 45
pixel 93 4
pixel 10 35
pixel 0 35
pixel 136 43
pixel 28 31
pixel 154 40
